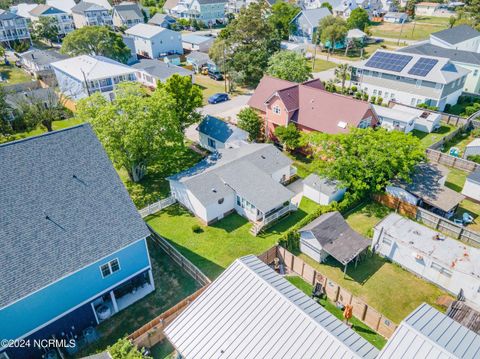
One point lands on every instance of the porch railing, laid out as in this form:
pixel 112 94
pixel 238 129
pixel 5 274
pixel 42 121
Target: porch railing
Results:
pixel 258 226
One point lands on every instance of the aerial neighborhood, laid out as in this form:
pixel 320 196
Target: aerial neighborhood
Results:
pixel 243 179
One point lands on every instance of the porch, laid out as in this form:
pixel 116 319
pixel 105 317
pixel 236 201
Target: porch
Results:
pixel 269 218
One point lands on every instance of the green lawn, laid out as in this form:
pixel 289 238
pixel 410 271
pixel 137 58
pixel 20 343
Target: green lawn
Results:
pixel 358 326
pixel 417 30
pixel 364 217
pixel 13 75
pixel 304 165
pixel 321 65
pixel 163 350
pixel 210 87
pixel 460 141
pixel 172 285
pixel 428 139
pixel 385 286
pixel 219 244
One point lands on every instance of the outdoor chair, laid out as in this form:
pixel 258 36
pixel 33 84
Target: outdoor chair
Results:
pixel 467 218
pixel 318 291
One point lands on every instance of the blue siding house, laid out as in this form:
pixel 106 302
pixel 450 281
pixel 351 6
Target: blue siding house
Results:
pixel 74 248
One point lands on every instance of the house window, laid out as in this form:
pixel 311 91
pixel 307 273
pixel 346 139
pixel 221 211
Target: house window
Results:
pixel 374 92
pixel 212 143
pixel 418 83
pixel 441 270
pixel 276 110
pixel 475 72
pixel 386 241
pixel 110 267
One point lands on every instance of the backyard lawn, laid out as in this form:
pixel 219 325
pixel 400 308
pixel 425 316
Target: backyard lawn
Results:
pixel 172 285
pixel 210 87
pixel 460 141
pixel 428 139
pixel 418 30
pixel 321 65
pixel 385 286
pixel 364 217
pixel 219 244
pixel 13 75
pixel 362 329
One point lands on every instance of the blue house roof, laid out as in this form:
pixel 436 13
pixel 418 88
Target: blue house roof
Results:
pixel 216 128
pixel 63 207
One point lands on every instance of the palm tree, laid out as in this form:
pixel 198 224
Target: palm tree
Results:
pixel 341 73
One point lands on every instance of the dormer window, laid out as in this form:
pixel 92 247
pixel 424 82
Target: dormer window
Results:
pixel 276 110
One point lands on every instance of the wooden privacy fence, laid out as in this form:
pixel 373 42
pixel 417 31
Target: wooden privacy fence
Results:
pixel 186 265
pixel 361 310
pixel 451 161
pixel 430 219
pixel 157 206
pixel 152 332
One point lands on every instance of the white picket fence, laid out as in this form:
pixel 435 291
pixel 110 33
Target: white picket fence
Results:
pixel 157 206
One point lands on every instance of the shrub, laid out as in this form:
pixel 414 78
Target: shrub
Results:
pixel 447 107
pixel 365 96
pixel 354 89
pixel 474 158
pixel 379 100
pixel 196 228
pixel 358 95
pixel 476 132
pixel 373 99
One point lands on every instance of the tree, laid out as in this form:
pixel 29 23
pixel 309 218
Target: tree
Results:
pixel 358 19
pixel 451 21
pixel 187 97
pixel 328 6
pixel 282 14
pixel 250 121
pixel 331 30
pixel 246 44
pixel 5 116
pixel 410 8
pixel 341 73
pixel 124 349
pixel 136 130
pixel 290 66
pixel 96 40
pixel 471 11
pixel 289 136
pixel 365 160
pixel 45 28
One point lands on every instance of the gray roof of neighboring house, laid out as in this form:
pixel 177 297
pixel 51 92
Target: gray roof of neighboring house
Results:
pixel 63 208
pixel 43 57
pixel 250 311
pixel 159 19
pixel 219 130
pixel 428 49
pixel 8 15
pixel 83 6
pixel 199 57
pixel 321 184
pixel 128 11
pixel 159 69
pixel 427 333
pixel 314 16
pixel 475 175
pixel 336 237
pixel 457 34
pixel 221 173
pixel 47 95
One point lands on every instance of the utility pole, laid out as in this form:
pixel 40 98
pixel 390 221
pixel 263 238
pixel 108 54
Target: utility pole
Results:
pixel 400 35
pixel 86 83
pixel 224 69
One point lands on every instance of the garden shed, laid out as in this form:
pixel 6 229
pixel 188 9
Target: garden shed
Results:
pixel 322 190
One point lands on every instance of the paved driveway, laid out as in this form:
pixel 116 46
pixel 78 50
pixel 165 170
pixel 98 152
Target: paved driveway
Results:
pixel 227 110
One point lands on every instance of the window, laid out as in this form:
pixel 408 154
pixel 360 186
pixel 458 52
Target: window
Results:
pixel 276 110
pixel 110 267
pixel 212 143
pixel 412 102
pixel 441 270
pixel 386 241
pixel 418 83
pixel 475 72
pixel 374 92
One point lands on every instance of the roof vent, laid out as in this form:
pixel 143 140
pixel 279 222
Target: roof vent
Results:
pixel 342 124
pixel 214 190
pixel 263 157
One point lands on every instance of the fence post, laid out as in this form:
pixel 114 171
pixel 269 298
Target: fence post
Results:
pixel 314 279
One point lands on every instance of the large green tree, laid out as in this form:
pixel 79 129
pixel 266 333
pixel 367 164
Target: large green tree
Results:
pixel 290 66
pixel 136 130
pixel 282 14
pixel 358 19
pixel 5 117
pixel 250 121
pixel 245 45
pixel 332 29
pixel 96 40
pixel 341 73
pixel 124 349
pixel 45 28
pixel 289 136
pixel 365 160
pixel 187 96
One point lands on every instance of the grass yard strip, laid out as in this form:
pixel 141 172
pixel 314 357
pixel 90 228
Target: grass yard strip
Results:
pixel 172 285
pixel 357 325
pixel 321 65
pixel 364 217
pixel 12 75
pixel 219 244
pixel 428 139
pixel 417 30
pixel 210 86
pixel 385 286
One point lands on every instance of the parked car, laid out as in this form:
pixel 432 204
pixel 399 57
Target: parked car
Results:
pixel 216 75
pixel 218 97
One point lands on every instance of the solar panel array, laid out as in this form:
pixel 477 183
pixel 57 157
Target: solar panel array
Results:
pixel 422 67
pixel 388 61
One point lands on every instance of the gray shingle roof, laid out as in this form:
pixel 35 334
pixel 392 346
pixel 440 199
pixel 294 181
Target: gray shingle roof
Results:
pixel 63 208
pixel 252 312
pixel 218 129
pixel 475 176
pixel 199 57
pixel 321 184
pixel 159 69
pixel 161 19
pixel 428 49
pixel 336 237
pixel 128 11
pixel 427 333
pixel 247 169
pixel 83 6
pixel 43 57
pixel 456 34
pixel 314 16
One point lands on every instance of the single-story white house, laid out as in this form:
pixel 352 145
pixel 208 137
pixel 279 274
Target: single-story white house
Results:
pixel 149 72
pixel 153 41
pixel 427 8
pixel 471 188
pixel 216 134
pixel 472 149
pixel 330 235
pixel 446 262
pixel 405 118
pixel 395 17
pixel 194 42
pixel 322 190
pixel 247 180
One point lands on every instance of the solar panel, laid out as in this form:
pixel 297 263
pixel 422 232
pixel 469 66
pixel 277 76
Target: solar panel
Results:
pixel 422 67
pixel 388 61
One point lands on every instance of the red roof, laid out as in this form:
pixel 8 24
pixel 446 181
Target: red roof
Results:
pixel 315 108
